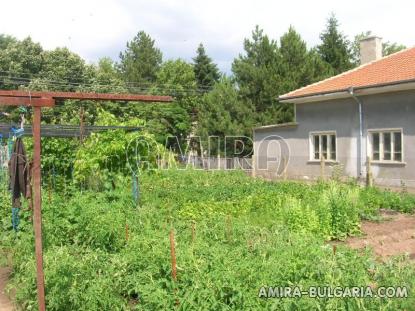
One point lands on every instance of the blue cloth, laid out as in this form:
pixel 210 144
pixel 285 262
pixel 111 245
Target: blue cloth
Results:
pixel 15 218
pixel 17 132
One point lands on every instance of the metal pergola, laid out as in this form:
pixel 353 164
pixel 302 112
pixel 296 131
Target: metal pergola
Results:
pixel 37 100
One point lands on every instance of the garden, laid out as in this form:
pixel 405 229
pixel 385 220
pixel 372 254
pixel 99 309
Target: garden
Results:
pixel 105 249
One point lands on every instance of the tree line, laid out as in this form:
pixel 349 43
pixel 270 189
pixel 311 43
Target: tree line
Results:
pixel 207 102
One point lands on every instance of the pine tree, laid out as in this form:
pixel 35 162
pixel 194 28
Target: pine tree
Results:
pixel 222 113
pixel 258 78
pixel 206 72
pixel 141 59
pixel 335 48
pixel 299 66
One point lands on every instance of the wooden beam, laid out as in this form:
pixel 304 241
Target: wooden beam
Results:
pixel 37 209
pixel 88 96
pixel 25 101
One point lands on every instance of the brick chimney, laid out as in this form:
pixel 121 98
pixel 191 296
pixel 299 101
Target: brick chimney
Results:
pixel 370 49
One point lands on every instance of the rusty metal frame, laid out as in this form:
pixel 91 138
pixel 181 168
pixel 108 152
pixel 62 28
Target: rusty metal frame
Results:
pixel 28 97
pixel 37 100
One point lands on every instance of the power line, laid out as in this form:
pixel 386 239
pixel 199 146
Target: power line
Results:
pixel 82 83
pixel 179 90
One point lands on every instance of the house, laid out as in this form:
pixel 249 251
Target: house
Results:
pixel 362 117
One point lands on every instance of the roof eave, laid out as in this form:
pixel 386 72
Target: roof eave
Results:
pixel 345 93
pixel 280 125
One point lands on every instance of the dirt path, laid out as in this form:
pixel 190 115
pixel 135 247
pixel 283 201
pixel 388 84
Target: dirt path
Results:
pixel 5 303
pixel 393 236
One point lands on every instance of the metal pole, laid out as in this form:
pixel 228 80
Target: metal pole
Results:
pixel 37 215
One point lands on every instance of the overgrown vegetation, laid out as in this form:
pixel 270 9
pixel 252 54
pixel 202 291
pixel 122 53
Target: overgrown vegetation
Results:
pixel 247 234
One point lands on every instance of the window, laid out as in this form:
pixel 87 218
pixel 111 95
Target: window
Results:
pixel 323 145
pixel 386 145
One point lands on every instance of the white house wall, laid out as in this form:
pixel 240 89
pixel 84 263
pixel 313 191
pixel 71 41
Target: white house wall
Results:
pixel 394 110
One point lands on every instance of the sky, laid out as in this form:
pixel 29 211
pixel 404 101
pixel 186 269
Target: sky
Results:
pixel 100 28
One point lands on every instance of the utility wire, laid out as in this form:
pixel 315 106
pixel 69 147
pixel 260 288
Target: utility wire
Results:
pixel 127 83
pixel 156 88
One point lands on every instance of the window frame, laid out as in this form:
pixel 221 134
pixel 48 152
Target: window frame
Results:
pixel 329 151
pixel 381 133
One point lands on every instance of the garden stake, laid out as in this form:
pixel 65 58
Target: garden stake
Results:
pixel 173 262
pixel 173 255
pixel 193 231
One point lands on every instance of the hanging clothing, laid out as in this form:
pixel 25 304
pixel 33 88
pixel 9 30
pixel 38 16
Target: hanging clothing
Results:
pixel 19 171
pixel 19 178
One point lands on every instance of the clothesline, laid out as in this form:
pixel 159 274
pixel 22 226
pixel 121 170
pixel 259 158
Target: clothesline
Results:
pixel 48 130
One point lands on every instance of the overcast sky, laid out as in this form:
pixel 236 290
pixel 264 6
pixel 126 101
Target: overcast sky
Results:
pixel 98 28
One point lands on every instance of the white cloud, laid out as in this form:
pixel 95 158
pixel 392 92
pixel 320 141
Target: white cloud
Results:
pixel 101 28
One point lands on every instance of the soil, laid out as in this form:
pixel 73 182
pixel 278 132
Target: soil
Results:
pixel 5 302
pixel 394 235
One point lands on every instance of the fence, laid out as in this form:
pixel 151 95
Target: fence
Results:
pixel 217 163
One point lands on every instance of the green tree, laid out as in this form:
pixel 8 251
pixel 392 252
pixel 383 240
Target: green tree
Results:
pixel 62 70
pixel 19 61
pixel 104 77
pixel 206 72
pixel 299 66
pixel 5 40
pixel 223 113
pixel 389 48
pixel 335 47
pixel 141 60
pixel 177 78
pixel 258 79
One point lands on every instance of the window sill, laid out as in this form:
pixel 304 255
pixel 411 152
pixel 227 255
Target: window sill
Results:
pixel 391 163
pixel 325 162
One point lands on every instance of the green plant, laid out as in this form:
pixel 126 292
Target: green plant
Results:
pixel 249 233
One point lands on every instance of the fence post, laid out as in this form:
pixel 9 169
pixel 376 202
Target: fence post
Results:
pixel 322 167
pixel 369 176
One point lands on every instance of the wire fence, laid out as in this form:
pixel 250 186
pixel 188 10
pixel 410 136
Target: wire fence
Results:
pixel 216 163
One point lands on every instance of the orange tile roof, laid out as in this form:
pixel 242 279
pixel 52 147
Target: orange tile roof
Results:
pixel 387 70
